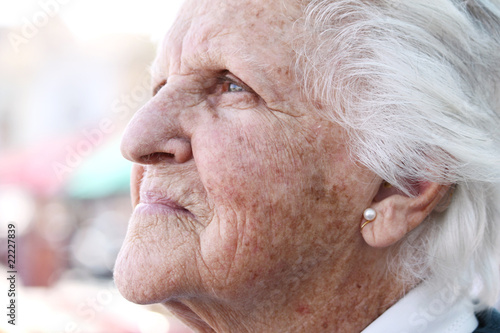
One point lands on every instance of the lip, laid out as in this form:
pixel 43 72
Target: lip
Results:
pixel 157 203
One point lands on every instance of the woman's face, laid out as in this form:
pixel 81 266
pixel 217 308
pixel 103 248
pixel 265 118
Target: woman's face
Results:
pixel 244 191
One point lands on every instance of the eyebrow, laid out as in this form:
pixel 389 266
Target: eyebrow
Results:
pixel 229 58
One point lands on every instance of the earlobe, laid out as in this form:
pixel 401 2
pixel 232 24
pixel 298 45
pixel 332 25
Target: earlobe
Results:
pixel 397 214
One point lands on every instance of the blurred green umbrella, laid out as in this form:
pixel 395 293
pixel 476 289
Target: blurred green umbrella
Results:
pixel 104 173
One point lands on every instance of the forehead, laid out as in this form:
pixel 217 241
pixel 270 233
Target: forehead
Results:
pixel 218 34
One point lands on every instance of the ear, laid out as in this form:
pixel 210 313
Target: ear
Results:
pixel 398 214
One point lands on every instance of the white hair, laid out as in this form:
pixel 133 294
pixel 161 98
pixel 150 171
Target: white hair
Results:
pixel 417 86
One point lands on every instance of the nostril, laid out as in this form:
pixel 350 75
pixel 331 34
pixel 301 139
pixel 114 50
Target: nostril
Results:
pixel 156 158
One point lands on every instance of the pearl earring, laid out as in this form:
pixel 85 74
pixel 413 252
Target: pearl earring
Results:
pixel 370 215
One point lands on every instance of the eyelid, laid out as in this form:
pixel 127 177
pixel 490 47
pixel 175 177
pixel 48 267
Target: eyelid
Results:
pixel 227 77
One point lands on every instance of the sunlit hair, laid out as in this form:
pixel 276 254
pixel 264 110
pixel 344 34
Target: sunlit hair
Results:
pixel 416 85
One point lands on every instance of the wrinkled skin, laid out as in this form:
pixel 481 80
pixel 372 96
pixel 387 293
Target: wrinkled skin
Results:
pixel 247 205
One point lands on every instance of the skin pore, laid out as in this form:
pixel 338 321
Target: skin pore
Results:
pixel 247 205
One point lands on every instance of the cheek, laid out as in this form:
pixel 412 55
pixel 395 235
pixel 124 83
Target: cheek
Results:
pixel 274 203
pixel 235 170
pixel 235 163
pixel 239 172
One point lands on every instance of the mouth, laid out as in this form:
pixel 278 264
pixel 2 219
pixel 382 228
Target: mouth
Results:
pixel 157 203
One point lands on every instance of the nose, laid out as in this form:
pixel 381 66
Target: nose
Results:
pixel 155 133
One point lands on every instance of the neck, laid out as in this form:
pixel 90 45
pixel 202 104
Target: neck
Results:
pixel 345 297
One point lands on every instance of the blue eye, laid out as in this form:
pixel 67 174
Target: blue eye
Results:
pixel 233 87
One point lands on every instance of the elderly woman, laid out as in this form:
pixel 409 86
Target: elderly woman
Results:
pixel 320 166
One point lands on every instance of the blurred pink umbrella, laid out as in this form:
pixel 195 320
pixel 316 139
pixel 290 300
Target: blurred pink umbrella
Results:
pixel 43 167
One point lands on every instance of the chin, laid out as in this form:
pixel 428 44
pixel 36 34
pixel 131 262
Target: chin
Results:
pixel 141 278
pixel 130 279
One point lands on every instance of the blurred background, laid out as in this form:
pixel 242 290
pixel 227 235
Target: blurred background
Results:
pixel 72 73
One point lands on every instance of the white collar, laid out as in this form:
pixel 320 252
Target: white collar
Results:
pixel 423 310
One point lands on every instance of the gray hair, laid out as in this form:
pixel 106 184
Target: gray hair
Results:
pixel 416 84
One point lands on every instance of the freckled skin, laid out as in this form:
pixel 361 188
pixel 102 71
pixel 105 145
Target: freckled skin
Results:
pixel 272 241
